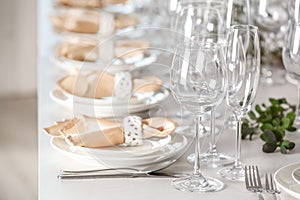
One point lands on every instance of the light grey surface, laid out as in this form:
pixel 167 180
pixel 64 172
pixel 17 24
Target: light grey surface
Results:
pixel 18 47
pixel 18 149
pixel 51 162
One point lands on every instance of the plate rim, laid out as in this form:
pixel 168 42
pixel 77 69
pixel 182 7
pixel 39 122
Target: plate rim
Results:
pixel 287 190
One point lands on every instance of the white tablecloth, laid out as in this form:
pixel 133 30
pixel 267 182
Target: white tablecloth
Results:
pixel 51 162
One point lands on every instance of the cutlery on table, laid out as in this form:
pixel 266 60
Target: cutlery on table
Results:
pixel 253 182
pixel 65 176
pixel 271 186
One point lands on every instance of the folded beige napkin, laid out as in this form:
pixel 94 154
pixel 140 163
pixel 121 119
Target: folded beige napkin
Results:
pixel 89 3
pixel 91 22
pixel 97 132
pixel 85 49
pixel 99 84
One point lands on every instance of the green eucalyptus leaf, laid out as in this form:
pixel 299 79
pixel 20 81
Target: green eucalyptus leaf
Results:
pixel 291 116
pixel 252 115
pixel 258 109
pixel 283 149
pixel 269 148
pixel 282 101
pixel 266 126
pixel 291 129
pixel 269 137
pixel 276 122
pixel 285 122
pixel 274 101
pixel 278 135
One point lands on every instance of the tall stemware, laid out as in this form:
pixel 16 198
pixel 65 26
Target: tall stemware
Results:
pixel 291 58
pixel 193 18
pixel 198 82
pixel 243 67
pixel 237 12
pixel 271 16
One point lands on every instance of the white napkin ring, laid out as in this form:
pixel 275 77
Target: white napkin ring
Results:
pixel 106 23
pixel 123 85
pixel 133 130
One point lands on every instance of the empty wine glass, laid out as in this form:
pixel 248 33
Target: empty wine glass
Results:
pixel 270 17
pixel 291 58
pixel 198 82
pixel 243 67
pixel 192 19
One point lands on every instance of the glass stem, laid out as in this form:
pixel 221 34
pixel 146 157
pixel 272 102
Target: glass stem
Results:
pixel 238 162
pixel 199 128
pixel 212 143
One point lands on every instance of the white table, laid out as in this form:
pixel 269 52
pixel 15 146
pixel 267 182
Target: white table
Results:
pixel 51 162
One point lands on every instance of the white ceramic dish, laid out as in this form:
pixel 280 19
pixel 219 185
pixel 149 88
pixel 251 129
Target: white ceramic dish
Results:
pixel 111 66
pixel 296 175
pixel 105 107
pixel 284 180
pixel 175 146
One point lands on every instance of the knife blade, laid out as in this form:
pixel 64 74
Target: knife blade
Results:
pixel 64 176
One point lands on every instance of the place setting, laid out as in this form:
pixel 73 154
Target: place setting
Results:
pixel 204 126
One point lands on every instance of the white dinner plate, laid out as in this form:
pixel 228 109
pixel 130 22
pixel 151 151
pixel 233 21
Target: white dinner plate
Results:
pixel 175 146
pixel 111 66
pixel 296 175
pixel 107 108
pixel 149 146
pixel 284 180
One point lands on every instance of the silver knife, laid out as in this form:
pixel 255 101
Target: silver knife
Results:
pixel 67 176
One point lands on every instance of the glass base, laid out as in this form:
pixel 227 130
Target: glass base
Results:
pixel 233 173
pixel 212 160
pixel 195 183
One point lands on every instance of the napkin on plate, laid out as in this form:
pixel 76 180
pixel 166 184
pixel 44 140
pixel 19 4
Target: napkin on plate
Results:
pixel 99 84
pixel 91 22
pixel 89 3
pixel 85 49
pixel 97 132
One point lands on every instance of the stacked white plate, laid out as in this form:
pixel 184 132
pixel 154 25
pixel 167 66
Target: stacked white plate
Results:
pixel 288 180
pixel 152 151
pixel 108 107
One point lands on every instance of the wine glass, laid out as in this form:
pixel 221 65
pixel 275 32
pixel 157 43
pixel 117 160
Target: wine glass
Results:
pixel 271 16
pixel 243 67
pixel 291 58
pixel 192 19
pixel 198 82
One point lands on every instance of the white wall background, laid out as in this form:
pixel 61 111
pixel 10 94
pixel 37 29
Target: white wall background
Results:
pixel 17 47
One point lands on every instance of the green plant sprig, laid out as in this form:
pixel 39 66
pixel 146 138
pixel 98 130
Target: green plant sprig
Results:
pixel 271 122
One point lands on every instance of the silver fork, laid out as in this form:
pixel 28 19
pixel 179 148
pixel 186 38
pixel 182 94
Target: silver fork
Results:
pixel 271 186
pixel 253 182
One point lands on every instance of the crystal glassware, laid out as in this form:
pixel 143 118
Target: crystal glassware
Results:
pixel 291 58
pixel 271 16
pixel 243 67
pixel 198 82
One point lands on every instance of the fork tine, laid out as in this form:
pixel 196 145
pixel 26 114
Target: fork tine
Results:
pixel 247 177
pixel 253 179
pixel 271 181
pixel 267 182
pixel 258 177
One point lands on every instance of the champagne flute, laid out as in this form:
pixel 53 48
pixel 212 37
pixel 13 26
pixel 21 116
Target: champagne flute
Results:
pixel 198 82
pixel 243 67
pixel 237 12
pixel 291 58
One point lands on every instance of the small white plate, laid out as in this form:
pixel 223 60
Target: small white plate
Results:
pixel 284 180
pixel 111 66
pixel 175 146
pixel 105 107
pixel 296 175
